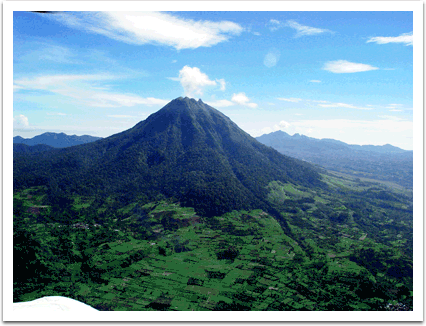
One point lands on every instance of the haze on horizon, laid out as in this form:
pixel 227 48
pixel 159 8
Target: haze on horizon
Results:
pixel 340 75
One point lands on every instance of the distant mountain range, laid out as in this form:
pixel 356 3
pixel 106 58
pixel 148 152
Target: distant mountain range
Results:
pixel 58 140
pixel 387 162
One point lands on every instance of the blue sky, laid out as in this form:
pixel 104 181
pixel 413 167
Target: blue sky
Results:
pixel 342 75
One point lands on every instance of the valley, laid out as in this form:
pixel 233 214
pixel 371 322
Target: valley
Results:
pixel 343 252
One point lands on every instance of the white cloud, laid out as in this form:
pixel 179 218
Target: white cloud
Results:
pixel 291 99
pixel 20 121
pixel 303 30
pixel 315 81
pixel 344 105
pixel 85 90
pixel 271 58
pixel 284 124
pixel 221 103
pixel 222 84
pixel 256 33
pixel 338 105
pixel 151 28
pixel 45 51
pixel 406 38
pixel 343 66
pixel 394 110
pixel 120 116
pixel 16 88
pixel 242 99
pixel 319 101
pixel 390 117
pixel 274 24
pixel 56 113
pixel 237 99
pixel 193 81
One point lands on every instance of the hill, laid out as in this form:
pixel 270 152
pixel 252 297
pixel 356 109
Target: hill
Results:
pixel 187 150
pixel 386 163
pixel 58 140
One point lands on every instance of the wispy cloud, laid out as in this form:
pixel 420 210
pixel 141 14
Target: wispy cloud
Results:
pixel 237 99
pixel 315 81
pixel 291 99
pixel 344 67
pixel 151 28
pixel 45 51
pixel 56 113
pixel 85 89
pixel 17 88
pixel 344 105
pixel 318 101
pixel 120 116
pixel 390 117
pixel 406 38
pixel 222 84
pixel 301 30
pixel 221 103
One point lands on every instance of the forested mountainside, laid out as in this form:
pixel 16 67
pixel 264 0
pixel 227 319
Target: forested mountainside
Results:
pixel 187 150
pixel 26 149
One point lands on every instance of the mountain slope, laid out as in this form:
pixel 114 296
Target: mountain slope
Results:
pixel 187 150
pixel 19 148
pixel 387 162
pixel 58 140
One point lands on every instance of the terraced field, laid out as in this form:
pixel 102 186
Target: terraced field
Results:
pixel 161 256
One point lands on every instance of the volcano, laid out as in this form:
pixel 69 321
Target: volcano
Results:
pixel 187 150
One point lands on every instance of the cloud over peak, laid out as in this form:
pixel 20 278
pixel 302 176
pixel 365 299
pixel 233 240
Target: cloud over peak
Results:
pixel 194 81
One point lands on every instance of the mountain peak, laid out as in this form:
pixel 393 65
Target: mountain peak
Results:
pixel 187 150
